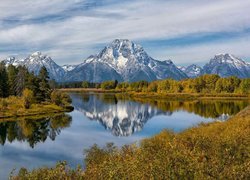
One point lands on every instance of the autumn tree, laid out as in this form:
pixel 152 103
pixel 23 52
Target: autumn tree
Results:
pixel 28 97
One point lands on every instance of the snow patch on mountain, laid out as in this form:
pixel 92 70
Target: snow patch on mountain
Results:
pixel 68 67
pixel 192 71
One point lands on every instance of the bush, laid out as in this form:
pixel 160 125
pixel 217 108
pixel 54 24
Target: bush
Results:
pixel 109 85
pixel 28 98
pixel 59 98
pixel 85 84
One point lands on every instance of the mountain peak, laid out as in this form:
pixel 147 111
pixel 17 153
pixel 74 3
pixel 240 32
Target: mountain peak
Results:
pixel 122 52
pixel 37 53
pixel 123 47
pixel 227 65
pixel 192 70
pixel 227 58
pixel 118 41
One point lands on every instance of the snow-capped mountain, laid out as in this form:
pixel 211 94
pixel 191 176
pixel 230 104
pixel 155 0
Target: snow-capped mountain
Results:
pixel 36 61
pixel 124 60
pixel 12 60
pixel 227 65
pixel 68 67
pixel 192 71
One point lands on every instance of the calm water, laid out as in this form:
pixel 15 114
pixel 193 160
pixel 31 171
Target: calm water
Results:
pixel 99 118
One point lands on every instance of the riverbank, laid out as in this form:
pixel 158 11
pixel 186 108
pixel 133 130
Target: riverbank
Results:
pixel 217 150
pixel 172 96
pixel 12 108
pixel 187 96
pixel 89 90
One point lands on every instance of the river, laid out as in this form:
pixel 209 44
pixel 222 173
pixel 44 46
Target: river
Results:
pixel 100 119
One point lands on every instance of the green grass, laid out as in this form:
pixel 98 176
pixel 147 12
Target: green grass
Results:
pixel 13 107
pixel 218 150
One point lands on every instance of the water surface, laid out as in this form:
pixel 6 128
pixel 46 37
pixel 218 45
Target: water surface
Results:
pixel 100 118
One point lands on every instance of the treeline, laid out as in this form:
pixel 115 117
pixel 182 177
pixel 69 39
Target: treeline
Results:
pixel 84 84
pixel 14 80
pixel 208 83
pixel 18 81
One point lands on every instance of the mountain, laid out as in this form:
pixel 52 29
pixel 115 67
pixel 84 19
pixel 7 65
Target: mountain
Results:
pixel 12 60
pixel 222 64
pixel 124 60
pixel 227 65
pixel 192 71
pixel 36 61
pixel 92 71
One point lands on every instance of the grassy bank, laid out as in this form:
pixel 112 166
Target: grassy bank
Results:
pixel 13 107
pixel 218 150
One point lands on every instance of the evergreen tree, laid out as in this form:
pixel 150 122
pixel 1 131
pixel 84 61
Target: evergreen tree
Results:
pixel 12 74
pixel 20 80
pixel 3 81
pixel 44 84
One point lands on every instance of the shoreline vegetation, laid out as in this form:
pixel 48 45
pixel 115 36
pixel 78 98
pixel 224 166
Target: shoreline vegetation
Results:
pixel 14 110
pixel 207 86
pixel 207 151
pixel 22 93
pixel 155 95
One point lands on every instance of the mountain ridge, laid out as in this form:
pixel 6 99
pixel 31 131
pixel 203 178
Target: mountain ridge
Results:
pixel 124 60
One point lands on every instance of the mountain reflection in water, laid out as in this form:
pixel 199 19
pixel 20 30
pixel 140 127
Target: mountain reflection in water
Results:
pixel 124 116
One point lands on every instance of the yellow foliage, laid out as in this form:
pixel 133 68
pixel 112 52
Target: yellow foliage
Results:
pixel 218 150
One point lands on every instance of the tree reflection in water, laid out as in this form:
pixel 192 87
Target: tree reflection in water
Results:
pixel 33 130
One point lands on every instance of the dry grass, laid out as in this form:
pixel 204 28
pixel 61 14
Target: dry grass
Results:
pixel 218 150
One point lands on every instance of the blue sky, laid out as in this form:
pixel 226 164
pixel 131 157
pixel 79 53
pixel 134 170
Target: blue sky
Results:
pixel 69 31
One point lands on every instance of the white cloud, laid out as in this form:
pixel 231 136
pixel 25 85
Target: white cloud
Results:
pixel 136 20
pixel 202 53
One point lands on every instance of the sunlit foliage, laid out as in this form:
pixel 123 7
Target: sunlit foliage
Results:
pixel 208 83
pixel 218 150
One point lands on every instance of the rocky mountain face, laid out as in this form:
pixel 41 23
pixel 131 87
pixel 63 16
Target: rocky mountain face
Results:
pixel 124 60
pixel 222 64
pixel 193 70
pixel 36 61
pixel 227 65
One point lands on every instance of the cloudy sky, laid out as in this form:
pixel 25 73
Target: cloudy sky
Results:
pixel 186 31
